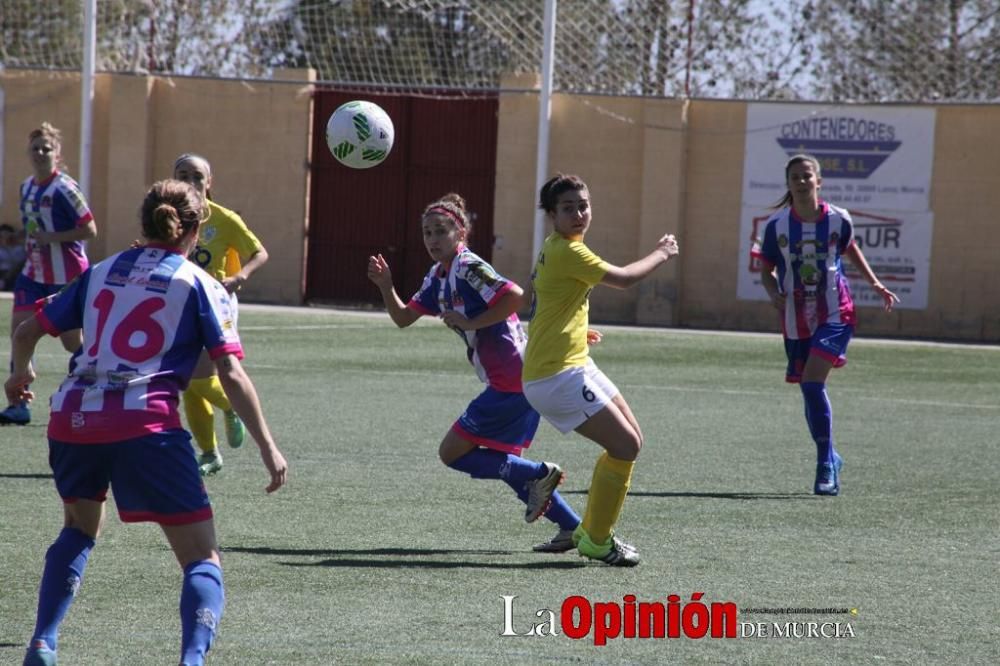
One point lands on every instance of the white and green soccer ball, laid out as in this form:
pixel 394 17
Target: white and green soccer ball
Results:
pixel 360 134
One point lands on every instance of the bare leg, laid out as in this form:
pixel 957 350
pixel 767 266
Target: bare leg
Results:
pixel 453 447
pixel 615 429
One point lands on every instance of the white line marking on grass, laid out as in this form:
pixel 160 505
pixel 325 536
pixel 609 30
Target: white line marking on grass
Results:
pixel 381 314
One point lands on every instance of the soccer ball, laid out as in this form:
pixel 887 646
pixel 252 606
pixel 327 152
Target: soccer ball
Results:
pixel 359 134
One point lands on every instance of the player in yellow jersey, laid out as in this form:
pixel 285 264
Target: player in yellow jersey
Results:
pixel 230 253
pixel 561 381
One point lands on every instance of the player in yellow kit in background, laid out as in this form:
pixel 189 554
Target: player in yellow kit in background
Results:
pixel 230 253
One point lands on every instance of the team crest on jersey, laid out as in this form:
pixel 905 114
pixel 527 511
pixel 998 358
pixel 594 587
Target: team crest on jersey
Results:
pixel 834 238
pixel 207 233
pixel 809 275
pixel 46 202
pixel 782 240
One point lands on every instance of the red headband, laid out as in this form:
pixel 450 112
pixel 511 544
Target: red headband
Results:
pixel 441 210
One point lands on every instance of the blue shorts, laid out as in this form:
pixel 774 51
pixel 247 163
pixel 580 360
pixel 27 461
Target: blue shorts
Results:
pixel 498 420
pixel 154 478
pixel 829 341
pixel 27 292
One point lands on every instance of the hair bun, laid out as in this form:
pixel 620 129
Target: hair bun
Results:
pixel 455 199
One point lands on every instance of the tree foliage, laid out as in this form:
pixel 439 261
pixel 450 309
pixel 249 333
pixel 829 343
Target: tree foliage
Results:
pixel 878 50
pixel 853 50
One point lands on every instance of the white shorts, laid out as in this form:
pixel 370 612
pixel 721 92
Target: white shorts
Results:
pixel 569 398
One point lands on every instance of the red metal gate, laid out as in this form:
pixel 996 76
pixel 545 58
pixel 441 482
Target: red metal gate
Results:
pixel 441 145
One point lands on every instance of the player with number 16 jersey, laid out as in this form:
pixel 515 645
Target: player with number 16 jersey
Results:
pixel 138 353
pixel 146 313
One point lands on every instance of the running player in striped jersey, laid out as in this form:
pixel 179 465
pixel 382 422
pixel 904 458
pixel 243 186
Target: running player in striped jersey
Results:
pixel 561 381
pixel 57 224
pixel 802 249
pixel 480 305
pixel 230 252
pixel 146 313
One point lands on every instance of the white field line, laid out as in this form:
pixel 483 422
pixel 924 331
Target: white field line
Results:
pixel 664 331
pixel 858 395
pixel 380 314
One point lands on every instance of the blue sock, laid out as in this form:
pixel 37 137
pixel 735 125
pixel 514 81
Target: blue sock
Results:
pixel 202 598
pixel 65 562
pixel 819 417
pixel 559 512
pixel 483 463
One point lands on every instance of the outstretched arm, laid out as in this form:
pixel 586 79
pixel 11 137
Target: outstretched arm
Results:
pixel 857 258
pixel 379 273
pixel 626 276
pixel 243 396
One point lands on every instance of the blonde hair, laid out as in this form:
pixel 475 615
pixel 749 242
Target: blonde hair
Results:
pixel 54 136
pixel 170 211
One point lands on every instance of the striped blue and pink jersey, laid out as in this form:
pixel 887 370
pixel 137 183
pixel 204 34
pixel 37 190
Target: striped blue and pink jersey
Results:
pixel 470 286
pixel 146 314
pixel 55 204
pixel 810 272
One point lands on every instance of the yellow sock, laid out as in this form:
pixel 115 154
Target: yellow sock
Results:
pixel 608 487
pixel 210 389
pixel 200 417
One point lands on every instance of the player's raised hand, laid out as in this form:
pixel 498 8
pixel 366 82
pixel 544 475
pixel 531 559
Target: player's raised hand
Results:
pixel 379 272
pixel 668 245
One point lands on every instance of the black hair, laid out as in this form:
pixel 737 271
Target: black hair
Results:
pixel 554 187
pixel 792 161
